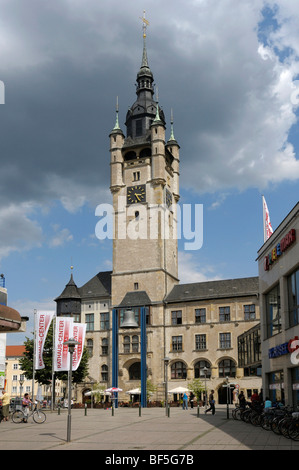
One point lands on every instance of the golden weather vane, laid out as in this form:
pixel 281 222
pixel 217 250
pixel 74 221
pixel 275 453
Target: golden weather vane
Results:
pixel 145 23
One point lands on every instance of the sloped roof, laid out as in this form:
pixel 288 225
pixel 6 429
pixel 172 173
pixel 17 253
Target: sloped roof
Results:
pixel 98 286
pixel 135 299
pixel 70 291
pixel 15 351
pixel 214 289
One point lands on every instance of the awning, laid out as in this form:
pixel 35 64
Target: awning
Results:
pixel 10 319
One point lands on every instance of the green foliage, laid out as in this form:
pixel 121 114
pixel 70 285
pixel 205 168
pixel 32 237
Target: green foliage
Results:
pixel 197 387
pixel 44 376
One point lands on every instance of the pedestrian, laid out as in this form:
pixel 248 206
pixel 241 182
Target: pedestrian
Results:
pixel 211 403
pixel 191 399
pixel 242 400
pixel 5 405
pixel 26 403
pixel 185 401
pixel 268 405
pixel 255 397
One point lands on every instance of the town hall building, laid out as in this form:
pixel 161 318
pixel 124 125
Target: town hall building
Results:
pixel 196 326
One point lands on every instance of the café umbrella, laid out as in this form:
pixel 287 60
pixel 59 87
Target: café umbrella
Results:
pixel 113 389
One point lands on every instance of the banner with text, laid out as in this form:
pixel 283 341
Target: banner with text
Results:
pixel 42 324
pixel 63 332
pixel 79 330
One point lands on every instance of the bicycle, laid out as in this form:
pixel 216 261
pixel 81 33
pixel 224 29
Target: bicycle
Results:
pixel 38 416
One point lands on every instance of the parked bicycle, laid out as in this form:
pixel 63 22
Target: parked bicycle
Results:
pixel 38 416
pixel 281 420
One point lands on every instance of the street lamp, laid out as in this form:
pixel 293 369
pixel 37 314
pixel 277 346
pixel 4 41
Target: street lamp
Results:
pixel 71 344
pixel 205 370
pixel 227 397
pixel 166 362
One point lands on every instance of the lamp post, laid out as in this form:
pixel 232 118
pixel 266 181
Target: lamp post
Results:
pixel 205 370
pixel 71 344
pixel 166 362
pixel 227 397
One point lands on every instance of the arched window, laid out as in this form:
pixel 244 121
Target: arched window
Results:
pixel 227 368
pixel 178 370
pixel 199 370
pixel 131 155
pixel 104 373
pixel 146 152
pixel 134 371
pixel 104 346
pixel 90 347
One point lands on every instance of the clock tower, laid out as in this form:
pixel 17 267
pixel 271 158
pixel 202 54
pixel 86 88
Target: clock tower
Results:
pixel 145 191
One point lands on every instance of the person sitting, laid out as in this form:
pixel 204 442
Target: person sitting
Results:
pixel 26 403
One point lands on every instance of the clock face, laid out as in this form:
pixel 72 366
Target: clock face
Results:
pixel 136 194
pixel 168 198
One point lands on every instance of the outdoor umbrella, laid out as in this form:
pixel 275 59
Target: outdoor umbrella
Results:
pixel 114 389
pixel 94 392
pixel 179 390
pixel 135 391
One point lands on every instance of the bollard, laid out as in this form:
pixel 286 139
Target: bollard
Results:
pixel 58 410
pixel 112 410
pixel 198 411
pixel 139 409
pixel 168 410
pixel 85 411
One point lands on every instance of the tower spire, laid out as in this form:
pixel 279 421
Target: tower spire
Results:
pixel 145 22
pixel 171 124
pixel 116 127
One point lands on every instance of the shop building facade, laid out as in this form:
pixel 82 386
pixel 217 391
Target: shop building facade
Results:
pixel 278 261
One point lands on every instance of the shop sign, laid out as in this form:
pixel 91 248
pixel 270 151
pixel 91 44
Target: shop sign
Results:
pixel 284 348
pixel 279 249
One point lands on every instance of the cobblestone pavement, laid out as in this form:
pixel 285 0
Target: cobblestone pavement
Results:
pixel 183 431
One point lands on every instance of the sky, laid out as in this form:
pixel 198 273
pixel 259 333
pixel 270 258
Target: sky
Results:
pixel 229 70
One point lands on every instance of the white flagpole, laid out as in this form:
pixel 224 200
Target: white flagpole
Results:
pixel 264 219
pixel 53 355
pixel 34 355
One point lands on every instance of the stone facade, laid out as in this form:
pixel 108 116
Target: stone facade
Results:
pixel 195 325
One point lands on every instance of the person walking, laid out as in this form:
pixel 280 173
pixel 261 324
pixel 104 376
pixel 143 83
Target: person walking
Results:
pixel 211 403
pixel 185 401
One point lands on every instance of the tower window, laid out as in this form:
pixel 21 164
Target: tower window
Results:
pixel 136 176
pixel 138 127
pixel 136 286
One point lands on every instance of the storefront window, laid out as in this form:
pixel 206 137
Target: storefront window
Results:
pixel 276 387
pixel 293 294
pixel 273 312
pixel 295 386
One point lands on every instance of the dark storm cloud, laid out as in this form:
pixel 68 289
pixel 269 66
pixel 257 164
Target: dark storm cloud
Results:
pixel 64 62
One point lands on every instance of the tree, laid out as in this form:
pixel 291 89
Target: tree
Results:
pixel 197 387
pixel 44 376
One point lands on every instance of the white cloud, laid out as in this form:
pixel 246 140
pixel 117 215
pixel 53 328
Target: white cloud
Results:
pixel 61 236
pixel 190 269
pixel 18 232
